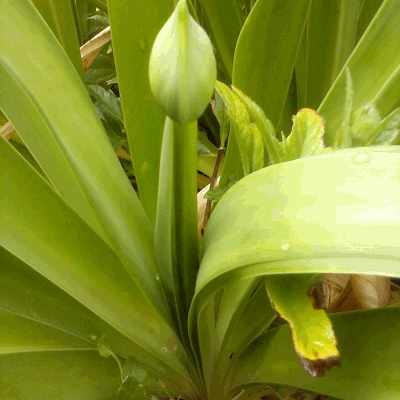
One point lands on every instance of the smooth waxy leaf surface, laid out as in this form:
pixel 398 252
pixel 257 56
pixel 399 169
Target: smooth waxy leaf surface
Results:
pixel 225 20
pixel 61 375
pixel 60 18
pixel 176 228
pixel 328 40
pixel 266 52
pixel 55 242
pixel 59 126
pixel 134 29
pixel 287 224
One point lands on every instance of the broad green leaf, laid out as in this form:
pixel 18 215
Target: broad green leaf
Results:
pixel 266 52
pixel 23 150
pixel 20 335
pixel 55 242
pixel 225 24
pixel 328 41
pixel 61 375
pixel 182 89
pixel 27 294
pixel 307 136
pixel 59 16
pixel 339 225
pixel 134 28
pixel 59 126
pixel 375 70
pixel 313 336
pixel 369 347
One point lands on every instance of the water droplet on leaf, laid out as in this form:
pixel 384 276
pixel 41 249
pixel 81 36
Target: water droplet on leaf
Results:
pixel 285 246
pixel 361 158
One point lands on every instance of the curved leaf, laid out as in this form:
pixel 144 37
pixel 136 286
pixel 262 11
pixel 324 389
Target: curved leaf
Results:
pixel 368 341
pixel 55 242
pixel 316 214
pixel 313 336
pixel 62 130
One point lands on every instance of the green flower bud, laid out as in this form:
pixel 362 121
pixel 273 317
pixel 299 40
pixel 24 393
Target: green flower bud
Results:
pixel 182 67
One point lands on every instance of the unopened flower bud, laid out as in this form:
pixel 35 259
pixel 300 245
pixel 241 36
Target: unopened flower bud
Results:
pixel 182 67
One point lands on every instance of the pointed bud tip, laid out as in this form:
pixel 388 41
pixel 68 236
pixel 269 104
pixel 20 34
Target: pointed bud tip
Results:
pixel 182 68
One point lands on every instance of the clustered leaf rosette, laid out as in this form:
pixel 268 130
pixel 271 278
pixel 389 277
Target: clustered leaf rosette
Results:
pixel 182 67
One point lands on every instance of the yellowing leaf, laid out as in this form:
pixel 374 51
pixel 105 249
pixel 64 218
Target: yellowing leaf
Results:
pixel 307 136
pixel 313 335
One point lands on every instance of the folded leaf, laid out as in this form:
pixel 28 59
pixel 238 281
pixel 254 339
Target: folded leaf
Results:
pixel 307 136
pixel 313 335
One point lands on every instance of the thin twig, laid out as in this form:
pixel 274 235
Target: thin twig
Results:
pixel 212 185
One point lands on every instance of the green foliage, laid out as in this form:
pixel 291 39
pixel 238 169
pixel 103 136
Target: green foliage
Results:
pixel 105 295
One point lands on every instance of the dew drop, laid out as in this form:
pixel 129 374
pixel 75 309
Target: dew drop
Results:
pixel 142 43
pixel 361 158
pixel 285 246
pixel 157 277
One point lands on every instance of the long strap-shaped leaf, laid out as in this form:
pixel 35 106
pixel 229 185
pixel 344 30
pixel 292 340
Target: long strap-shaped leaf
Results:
pixel 59 16
pixel 225 20
pixel 316 214
pixel 44 232
pixel 46 101
pixel 176 228
pixel 59 375
pixel 368 342
pixel 328 41
pixel 374 67
pixel 134 27
pixel 266 52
